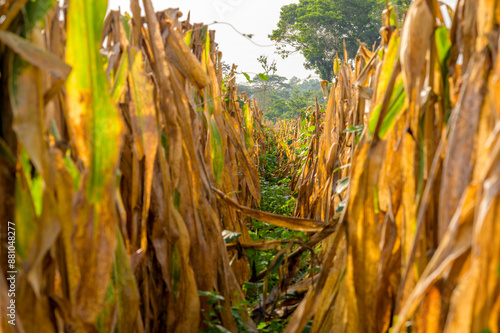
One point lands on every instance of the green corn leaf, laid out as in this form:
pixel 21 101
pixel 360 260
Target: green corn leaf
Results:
pixel 263 77
pixel 396 105
pixel 217 151
pixel 93 117
pixel 247 77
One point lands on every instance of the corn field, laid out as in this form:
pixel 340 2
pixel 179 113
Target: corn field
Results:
pixel 130 177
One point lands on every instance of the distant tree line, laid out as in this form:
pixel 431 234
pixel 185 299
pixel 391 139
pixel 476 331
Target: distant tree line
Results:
pixel 278 96
pixel 283 98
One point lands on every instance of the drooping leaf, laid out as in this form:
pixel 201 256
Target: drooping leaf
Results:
pixel 247 77
pixel 35 55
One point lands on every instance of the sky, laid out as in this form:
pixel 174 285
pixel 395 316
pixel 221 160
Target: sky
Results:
pixel 257 17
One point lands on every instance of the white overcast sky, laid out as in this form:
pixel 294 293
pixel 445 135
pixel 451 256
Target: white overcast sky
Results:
pixel 257 17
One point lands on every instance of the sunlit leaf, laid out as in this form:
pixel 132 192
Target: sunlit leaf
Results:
pixel 396 105
pixel 263 77
pixel 341 206
pixel 90 107
pixel 342 185
pixel 230 236
pixel 354 129
pixel 217 151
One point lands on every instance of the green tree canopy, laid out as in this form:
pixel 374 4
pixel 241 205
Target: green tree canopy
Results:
pixel 317 28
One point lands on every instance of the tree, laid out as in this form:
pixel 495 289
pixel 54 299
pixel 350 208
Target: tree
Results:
pixel 264 87
pixel 269 68
pixel 290 106
pixel 317 28
pixel 226 69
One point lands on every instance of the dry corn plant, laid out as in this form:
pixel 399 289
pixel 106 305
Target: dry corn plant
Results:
pixel 129 167
pixel 415 246
pixel 297 141
pixel 117 133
